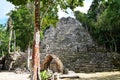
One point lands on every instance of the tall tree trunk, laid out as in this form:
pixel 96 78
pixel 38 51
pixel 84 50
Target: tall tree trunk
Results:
pixel 14 41
pixel 10 33
pixel 36 43
pixel 10 37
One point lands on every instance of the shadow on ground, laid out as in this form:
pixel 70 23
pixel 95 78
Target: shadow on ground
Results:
pixel 114 77
pixel 82 76
pixel 97 76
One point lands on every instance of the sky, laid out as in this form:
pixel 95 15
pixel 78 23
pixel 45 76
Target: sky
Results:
pixel 83 9
pixel 5 8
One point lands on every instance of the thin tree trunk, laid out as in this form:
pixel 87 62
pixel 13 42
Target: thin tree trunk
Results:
pixel 14 41
pixel 36 43
pixel 10 34
pixel 114 43
pixel 28 57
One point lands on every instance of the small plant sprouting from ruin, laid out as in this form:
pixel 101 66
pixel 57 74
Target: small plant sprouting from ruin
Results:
pixel 44 75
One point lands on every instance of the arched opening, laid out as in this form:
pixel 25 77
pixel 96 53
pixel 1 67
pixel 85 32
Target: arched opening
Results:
pixel 53 63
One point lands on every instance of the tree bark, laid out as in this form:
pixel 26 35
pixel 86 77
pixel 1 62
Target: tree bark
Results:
pixel 28 57
pixel 14 41
pixel 36 43
pixel 10 34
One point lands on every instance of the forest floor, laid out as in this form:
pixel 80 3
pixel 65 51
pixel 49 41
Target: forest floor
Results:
pixel 83 76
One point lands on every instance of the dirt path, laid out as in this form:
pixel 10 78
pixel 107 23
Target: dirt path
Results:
pixel 101 76
pixel 97 76
pixel 13 76
pixel 83 76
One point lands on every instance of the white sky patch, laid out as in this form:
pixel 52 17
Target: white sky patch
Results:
pixel 70 13
pixel 5 8
pixel 62 13
pixel 86 6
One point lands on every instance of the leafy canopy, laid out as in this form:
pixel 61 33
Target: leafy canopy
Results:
pixel 23 17
pixel 104 22
pixel 23 25
pixel 63 3
pixel 3 40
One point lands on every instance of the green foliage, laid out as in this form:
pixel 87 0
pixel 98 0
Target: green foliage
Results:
pixel 103 21
pixel 107 26
pixel 19 2
pixel 44 75
pixel 82 17
pixel 63 3
pixel 96 8
pixel 70 3
pixel 23 26
pixel 3 41
pixel 23 17
pixel 41 35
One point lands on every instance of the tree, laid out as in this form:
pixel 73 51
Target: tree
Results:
pixel 10 26
pixel 36 43
pixel 108 23
pixel 23 24
pixel 103 21
pixel 82 17
pixel 3 41
pixel 49 4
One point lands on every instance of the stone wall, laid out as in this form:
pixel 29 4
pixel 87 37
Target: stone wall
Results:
pixel 72 43
pixel 15 60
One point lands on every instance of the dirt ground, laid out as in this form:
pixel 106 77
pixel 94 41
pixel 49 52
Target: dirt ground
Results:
pixel 82 76
pixel 13 76
pixel 97 76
